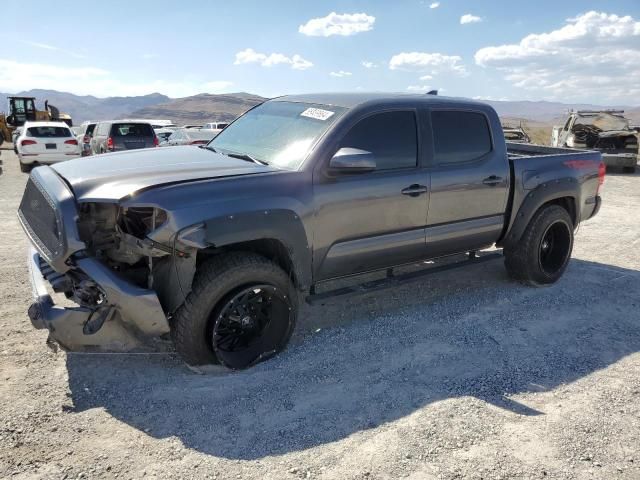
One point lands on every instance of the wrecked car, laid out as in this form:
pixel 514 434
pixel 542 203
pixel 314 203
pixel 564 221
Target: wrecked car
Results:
pixel 215 245
pixel 515 134
pixel 604 130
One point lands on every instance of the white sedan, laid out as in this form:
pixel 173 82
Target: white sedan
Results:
pixel 42 143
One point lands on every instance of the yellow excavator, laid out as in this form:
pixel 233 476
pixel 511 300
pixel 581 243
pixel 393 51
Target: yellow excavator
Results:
pixel 23 109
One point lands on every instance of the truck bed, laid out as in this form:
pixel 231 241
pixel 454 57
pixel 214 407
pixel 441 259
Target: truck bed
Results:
pixel 522 150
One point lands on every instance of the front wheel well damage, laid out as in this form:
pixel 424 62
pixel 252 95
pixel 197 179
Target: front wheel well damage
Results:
pixel 269 248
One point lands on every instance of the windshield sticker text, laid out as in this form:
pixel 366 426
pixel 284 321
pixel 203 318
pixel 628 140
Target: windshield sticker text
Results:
pixel 317 113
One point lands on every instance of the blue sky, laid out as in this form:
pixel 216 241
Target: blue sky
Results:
pixel 272 48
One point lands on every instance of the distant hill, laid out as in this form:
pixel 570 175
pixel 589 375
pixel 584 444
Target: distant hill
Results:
pixel 225 107
pixel 201 108
pixel 88 107
pixel 542 111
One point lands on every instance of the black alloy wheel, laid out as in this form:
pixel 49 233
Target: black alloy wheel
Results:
pixel 249 325
pixel 555 247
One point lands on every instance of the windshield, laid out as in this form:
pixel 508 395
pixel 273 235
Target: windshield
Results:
pixel 278 133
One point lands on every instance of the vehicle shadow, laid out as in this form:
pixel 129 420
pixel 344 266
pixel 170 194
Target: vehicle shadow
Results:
pixel 478 335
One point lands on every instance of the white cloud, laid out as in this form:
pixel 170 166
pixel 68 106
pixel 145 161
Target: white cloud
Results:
pixel 150 56
pixel 249 55
pixel 369 64
pixel 426 77
pixel 434 5
pixel 433 63
pixel 419 88
pixel 338 24
pixel 468 18
pixel 594 56
pixel 16 76
pixel 340 73
pixel 53 48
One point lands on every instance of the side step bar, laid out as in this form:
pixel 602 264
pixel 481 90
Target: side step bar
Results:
pixel 392 280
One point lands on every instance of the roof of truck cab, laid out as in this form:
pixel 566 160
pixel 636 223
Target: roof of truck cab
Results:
pixel 351 100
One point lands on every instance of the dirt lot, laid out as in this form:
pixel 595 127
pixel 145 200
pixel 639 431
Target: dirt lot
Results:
pixel 463 375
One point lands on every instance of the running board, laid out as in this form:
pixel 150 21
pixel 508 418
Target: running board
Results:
pixel 392 280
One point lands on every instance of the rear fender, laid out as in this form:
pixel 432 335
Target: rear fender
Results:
pixel 536 198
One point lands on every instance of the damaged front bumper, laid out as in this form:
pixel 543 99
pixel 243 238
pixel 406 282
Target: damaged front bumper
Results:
pixel 127 316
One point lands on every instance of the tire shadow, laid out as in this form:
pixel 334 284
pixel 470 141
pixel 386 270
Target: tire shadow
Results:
pixel 378 358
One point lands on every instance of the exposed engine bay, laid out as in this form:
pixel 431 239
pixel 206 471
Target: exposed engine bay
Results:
pixel 118 237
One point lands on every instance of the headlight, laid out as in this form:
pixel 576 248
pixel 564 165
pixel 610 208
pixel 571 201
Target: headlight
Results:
pixel 140 221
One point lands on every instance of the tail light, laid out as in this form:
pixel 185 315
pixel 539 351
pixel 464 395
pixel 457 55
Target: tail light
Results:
pixel 86 139
pixel 28 142
pixel 199 142
pixel 110 143
pixel 602 172
pixel 155 141
pixel 71 142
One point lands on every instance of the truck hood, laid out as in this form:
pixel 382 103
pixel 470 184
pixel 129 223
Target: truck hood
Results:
pixel 113 176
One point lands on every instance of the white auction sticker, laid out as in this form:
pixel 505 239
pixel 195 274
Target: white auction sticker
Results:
pixel 317 113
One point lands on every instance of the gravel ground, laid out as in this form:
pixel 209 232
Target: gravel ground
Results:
pixel 461 375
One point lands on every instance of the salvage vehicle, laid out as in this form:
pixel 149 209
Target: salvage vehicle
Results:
pixel 515 134
pixel 85 132
pixel 216 244
pixel 42 143
pixel 604 130
pixel 190 136
pixel 120 135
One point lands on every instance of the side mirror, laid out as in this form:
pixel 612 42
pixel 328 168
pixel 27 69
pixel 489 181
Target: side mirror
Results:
pixel 352 160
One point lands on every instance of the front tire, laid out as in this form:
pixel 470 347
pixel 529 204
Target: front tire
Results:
pixel 242 310
pixel 542 254
pixel 629 169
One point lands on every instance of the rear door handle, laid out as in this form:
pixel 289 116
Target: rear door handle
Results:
pixel 492 180
pixel 414 190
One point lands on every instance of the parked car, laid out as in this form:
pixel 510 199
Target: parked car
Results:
pixel 163 134
pixel 219 126
pixel 515 134
pixel 118 135
pixel 607 131
pixel 85 132
pixel 42 143
pixel 14 139
pixel 216 244
pixel 189 137
pixel 192 126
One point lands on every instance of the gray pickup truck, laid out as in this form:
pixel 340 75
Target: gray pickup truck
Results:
pixel 215 245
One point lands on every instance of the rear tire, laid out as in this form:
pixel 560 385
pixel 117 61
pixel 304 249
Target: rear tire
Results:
pixel 25 168
pixel 210 310
pixel 542 254
pixel 629 169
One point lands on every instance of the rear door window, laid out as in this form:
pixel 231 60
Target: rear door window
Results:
pixel 90 128
pixel 132 130
pixel 460 136
pixel 49 132
pixel 390 136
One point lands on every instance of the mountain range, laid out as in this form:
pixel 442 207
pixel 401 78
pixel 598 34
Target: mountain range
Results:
pixel 225 107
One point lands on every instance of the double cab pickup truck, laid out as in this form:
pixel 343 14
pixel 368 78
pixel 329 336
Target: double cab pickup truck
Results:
pixel 215 245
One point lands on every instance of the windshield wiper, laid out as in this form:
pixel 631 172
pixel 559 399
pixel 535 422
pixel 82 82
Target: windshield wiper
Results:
pixel 207 147
pixel 248 158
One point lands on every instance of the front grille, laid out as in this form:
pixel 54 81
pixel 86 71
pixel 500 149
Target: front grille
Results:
pixel 40 217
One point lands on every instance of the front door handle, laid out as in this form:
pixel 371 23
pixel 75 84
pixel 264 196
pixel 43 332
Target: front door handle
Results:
pixel 414 190
pixel 492 181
